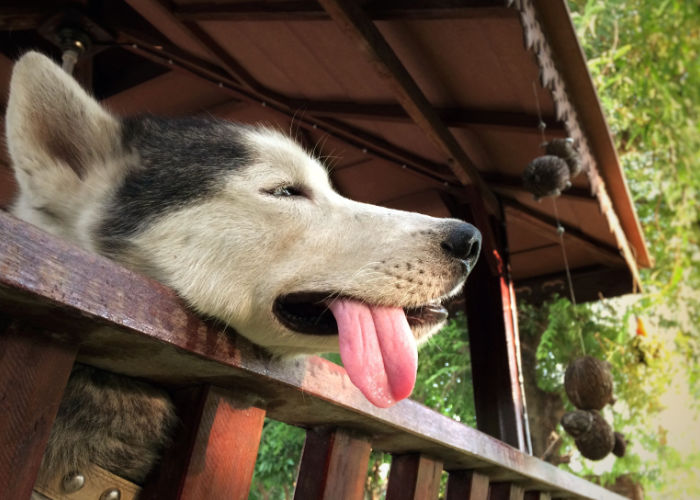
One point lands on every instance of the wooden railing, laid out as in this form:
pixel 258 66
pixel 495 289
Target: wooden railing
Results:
pixel 59 303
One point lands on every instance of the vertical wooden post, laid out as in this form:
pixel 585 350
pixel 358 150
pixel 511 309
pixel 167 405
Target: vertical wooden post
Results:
pixel 493 339
pixel 467 485
pixel 333 466
pixel 214 455
pixel 414 477
pixel 34 370
pixel 506 491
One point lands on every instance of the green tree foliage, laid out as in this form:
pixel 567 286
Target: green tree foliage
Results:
pixel 641 370
pixel 444 380
pixel 278 461
pixel 644 56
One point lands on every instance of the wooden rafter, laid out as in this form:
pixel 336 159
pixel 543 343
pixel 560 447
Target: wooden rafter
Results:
pixel 547 225
pixel 590 283
pixel 306 10
pixel 180 60
pixel 452 117
pixel 351 18
pixel 509 183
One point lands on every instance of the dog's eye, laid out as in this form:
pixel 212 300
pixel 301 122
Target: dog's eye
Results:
pixel 286 191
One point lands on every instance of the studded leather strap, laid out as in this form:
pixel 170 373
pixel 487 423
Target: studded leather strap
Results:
pixel 98 484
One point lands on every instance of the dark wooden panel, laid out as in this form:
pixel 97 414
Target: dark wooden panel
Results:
pixel 414 477
pixel 537 495
pixel 153 335
pixel 214 453
pixel 333 466
pixel 506 491
pixel 305 10
pixel 34 369
pixel 467 485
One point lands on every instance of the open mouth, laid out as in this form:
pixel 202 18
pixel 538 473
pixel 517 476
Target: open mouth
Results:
pixel 308 313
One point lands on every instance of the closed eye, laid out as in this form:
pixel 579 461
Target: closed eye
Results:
pixel 286 192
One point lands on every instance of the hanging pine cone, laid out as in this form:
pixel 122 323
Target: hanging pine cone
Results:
pixel 620 445
pixel 589 383
pixel 564 149
pixel 546 176
pixel 593 436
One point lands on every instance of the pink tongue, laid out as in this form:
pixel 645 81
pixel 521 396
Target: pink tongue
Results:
pixel 378 350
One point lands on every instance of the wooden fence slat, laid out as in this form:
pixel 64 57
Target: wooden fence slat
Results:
pixel 414 477
pixel 537 495
pixel 333 466
pixel 214 454
pixel 467 485
pixel 151 334
pixel 506 491
pixel 34 370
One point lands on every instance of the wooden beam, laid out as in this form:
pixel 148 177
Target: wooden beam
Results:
pixel 547 226
pixel 215 450
pixel 590 284
pixel 333 466
pixel 467 485
pixel 34 370
pixel 253 92
pixel 414 477
pixel 510 183
pixel 351 19
pixel 129 324
pixel 306 10
pixel 452 117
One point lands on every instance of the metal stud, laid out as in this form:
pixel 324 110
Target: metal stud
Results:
pixel 72 482
pixel 111 494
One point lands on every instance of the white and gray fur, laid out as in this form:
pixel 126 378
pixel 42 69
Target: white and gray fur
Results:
pixel 230 216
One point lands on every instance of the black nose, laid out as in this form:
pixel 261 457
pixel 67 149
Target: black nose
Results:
pixel 463 241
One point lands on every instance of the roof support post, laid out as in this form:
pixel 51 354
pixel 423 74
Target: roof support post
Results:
pixel 494 343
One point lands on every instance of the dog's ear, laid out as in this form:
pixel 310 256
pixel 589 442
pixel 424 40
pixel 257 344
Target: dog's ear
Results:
pixel 53 122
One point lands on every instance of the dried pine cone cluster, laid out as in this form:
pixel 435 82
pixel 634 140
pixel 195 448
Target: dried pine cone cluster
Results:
pixel 589 386
pixel 551 174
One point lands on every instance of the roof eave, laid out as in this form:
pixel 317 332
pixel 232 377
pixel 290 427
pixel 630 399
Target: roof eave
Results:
pixel 555 19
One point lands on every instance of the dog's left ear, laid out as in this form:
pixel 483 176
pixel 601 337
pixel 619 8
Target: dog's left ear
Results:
pixel 52 122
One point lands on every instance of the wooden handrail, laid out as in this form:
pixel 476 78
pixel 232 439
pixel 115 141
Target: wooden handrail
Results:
pixel 130 324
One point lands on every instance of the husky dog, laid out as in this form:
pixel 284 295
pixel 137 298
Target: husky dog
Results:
pixel 245 226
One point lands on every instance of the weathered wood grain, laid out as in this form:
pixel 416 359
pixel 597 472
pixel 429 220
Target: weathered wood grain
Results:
pixel 214 451
pixel 333 466
pixel 467 485
pixel 506 491
pixel 34 369
pixel 414 477
pixel 153 335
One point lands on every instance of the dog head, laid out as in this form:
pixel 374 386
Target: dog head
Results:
pixel 242 223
